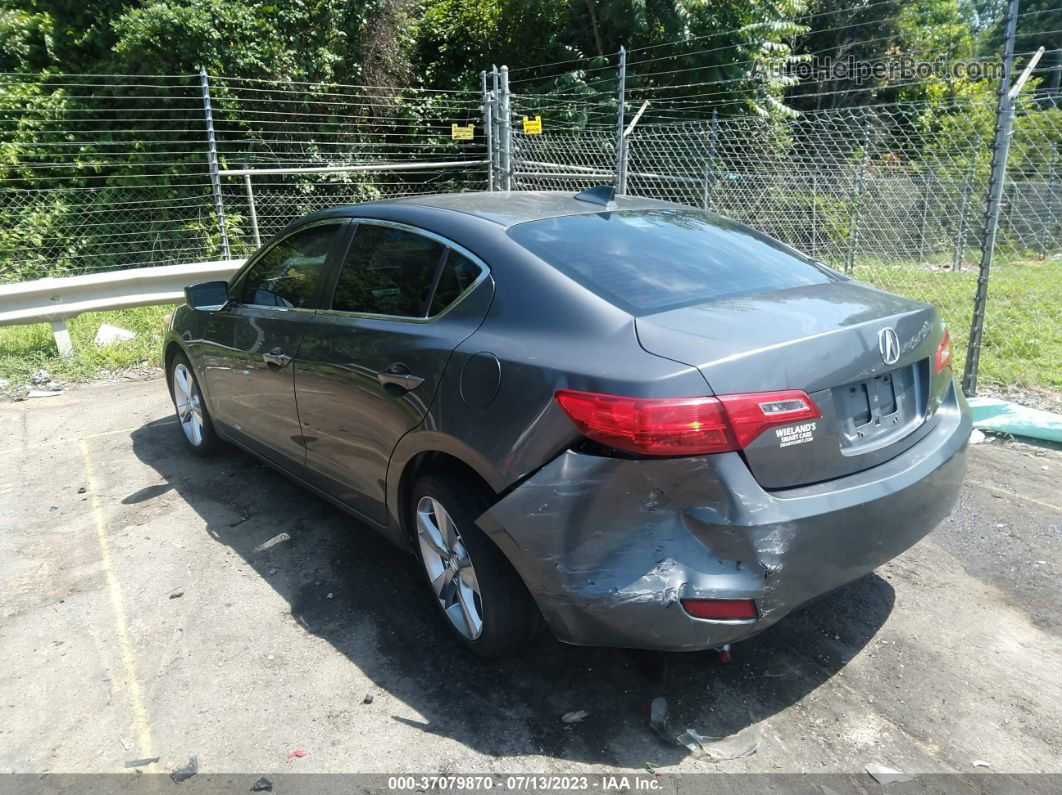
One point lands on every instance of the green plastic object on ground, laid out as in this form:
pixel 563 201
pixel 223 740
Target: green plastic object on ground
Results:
pixel 1001 416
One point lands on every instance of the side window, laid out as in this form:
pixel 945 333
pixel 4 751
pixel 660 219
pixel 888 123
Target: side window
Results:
pixel 458 274
pixel 388 272
pixel 287 274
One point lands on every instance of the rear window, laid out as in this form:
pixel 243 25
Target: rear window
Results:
pixel 652 260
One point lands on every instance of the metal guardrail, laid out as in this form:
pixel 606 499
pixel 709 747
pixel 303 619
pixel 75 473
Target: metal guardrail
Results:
pixel 56 300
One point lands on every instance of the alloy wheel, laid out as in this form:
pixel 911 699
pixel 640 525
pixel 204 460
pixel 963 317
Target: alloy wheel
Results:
pixel 450 570
pixel 189 404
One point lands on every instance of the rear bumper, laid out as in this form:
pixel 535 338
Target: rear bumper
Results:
pixel 609 546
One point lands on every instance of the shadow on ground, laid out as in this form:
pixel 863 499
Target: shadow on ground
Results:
pixel 381 618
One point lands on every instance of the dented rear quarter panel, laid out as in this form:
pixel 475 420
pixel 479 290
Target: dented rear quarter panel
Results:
pixel 609 546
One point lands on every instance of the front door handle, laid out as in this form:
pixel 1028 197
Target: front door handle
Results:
pixel 398 375
pixel 275 358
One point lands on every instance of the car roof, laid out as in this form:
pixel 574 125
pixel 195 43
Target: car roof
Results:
pixel 505 208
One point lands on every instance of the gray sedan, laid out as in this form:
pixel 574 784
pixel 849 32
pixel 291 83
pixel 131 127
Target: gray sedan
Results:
pixel 644 424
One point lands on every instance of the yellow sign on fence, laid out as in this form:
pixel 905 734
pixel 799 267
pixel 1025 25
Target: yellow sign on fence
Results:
pixel 462 133
pixel 533 126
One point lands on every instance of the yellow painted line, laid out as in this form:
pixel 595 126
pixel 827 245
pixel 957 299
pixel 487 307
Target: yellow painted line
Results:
pixel 1017 496
pixel 169 421
pixel 89 437
pixel 121 627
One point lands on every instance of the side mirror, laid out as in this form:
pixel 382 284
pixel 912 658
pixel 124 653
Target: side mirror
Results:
pixel 207 295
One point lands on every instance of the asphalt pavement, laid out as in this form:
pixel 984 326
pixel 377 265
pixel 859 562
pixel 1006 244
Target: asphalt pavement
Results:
pixel 156 604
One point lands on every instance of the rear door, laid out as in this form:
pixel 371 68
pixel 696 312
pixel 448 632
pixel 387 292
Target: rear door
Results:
pixel 250 346
pixel 370 363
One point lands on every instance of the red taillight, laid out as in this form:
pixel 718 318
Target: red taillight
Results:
pixel 942 358
pixel 721 609
pixel 683 426
pixel 670 426
pixel 752 414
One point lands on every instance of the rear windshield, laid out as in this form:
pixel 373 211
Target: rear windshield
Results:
pixel 649 261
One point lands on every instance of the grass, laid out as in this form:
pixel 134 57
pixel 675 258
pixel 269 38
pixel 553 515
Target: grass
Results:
pixel 26 349
pixel 1022 340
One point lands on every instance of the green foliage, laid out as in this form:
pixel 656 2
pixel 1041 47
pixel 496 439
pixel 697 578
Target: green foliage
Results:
pixel 455 39
pixel 26 40
pixel 316 40
pixel 733 47
pixel 306 40
pixel 128 141
pixel 931 29
pixel 26 349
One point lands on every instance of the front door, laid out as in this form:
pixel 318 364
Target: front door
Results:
pixel 249 346
pixel 369 365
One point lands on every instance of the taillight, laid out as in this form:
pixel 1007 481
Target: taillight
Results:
pixel 683 426
pixel 720 609
pixel 752 414
pixel 942 358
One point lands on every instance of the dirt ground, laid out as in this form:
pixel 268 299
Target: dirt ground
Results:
pixel 156 604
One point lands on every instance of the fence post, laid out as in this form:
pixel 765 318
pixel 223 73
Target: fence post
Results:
pixel 620 179
pixel 506 129
pixel 1047 234
pixel 253 210
pixel 212 160
pixel 1000 150
pixel 495 118
pixel 857 202
pixel 925 220
pixel 488 133
pixel 964 205
pixel 709 167
pixel 814 211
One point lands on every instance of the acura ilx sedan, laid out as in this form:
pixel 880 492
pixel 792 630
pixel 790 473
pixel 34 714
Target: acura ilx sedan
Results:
pixel 646 425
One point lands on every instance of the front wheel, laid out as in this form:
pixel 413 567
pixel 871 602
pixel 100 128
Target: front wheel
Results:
pixel 192 416
pixel 481 598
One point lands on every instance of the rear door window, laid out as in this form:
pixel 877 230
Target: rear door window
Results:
pixel 653 260
pixel 388 271
pixel 286 275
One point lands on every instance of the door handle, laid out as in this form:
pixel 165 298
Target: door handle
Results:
pixel 398 375
pixel 275 358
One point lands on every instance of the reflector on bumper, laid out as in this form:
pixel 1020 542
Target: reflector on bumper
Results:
pixel 721 609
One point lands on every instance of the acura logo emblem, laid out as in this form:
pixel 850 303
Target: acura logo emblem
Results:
pixel 889 345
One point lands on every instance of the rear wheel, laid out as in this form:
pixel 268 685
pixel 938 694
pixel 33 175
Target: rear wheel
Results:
pixel 481 598
pixel 193 417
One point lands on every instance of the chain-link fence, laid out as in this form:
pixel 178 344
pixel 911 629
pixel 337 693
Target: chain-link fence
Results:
pixel 307 147
pixel 861 187
pixel 106 172
pixel 103 172
pixel 894 195
pixel 100 172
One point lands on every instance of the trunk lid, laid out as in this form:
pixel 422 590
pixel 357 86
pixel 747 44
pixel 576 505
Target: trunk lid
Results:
pixel 823 339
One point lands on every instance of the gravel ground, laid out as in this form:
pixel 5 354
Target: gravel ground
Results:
pixel 155 604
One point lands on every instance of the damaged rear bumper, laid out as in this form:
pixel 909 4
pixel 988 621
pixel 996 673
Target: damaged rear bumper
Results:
pixel 609 546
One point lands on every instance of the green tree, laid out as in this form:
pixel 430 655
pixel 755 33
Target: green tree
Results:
pixel 730 51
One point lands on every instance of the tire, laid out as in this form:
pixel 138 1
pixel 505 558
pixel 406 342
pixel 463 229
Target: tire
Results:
pixel 508 616
pixel 193 419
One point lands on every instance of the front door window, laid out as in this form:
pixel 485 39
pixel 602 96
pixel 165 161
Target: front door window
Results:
pixel 286 275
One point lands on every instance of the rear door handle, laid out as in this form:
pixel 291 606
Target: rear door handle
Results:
pixel 275 358
pixel 398 375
